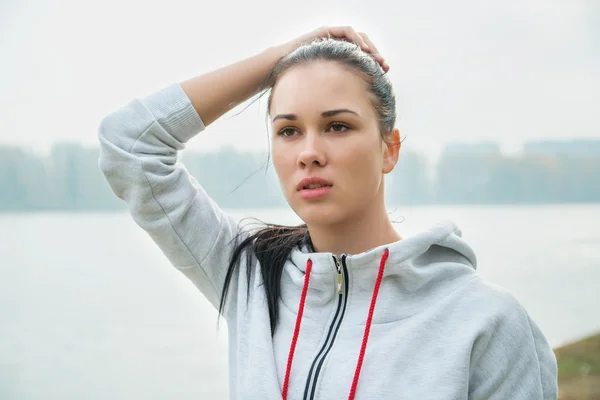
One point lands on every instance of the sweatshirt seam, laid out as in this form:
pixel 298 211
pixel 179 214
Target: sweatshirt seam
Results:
pixel 130 150
pixel 211 247
pixel 537 355
pixel 199 263
pixel 143 170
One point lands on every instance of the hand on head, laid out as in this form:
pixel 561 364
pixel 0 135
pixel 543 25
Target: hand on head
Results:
pixel 344 33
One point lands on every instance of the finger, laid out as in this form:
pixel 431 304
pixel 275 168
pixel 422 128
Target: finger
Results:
pixel 348 33
pixel 360 40
pixel 375 52
pixel 324 31
pixel 369 42
pixel 338 32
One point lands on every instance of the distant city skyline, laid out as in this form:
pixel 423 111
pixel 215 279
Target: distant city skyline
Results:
pixel 69 178
pixel 464 71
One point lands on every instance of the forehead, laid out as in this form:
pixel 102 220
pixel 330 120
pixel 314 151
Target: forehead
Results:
pixel 319 86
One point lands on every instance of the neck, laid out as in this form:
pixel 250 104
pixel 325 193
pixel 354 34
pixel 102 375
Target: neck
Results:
pixel 356 235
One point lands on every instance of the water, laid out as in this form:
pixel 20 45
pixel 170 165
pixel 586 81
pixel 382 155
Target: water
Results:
pixel 91 309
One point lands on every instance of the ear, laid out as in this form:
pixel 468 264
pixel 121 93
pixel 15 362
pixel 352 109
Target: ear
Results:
pixel 391 151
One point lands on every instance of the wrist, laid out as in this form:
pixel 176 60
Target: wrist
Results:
pixel 266 60
pixel 275 53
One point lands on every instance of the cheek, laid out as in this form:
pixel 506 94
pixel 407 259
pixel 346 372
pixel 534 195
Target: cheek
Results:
pixel 364 162
pixel 281 162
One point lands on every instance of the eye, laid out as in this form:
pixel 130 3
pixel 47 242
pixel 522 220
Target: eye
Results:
pixel 339 127
pixel 287 132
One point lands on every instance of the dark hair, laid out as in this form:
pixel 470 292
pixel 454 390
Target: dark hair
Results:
pixel 273 244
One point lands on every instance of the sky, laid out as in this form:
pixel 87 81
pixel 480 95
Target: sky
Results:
pixel 507 71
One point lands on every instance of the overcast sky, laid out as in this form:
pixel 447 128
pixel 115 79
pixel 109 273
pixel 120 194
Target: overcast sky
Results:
pixel 506 70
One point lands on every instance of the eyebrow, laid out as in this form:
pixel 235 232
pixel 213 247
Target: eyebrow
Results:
pixel 324 114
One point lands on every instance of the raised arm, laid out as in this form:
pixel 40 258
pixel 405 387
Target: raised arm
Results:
pixel 139 158
pixel 215 93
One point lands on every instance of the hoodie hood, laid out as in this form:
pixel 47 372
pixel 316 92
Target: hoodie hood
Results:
pixel 420 269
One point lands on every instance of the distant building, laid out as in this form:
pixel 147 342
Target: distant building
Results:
pixel 478 148
pixel 556 147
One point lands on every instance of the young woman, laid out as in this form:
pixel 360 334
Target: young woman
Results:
pixel 343 306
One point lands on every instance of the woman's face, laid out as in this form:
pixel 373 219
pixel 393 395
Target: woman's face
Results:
pixel 327 148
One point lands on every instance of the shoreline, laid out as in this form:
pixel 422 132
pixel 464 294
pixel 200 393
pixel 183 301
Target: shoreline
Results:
pixel 579 369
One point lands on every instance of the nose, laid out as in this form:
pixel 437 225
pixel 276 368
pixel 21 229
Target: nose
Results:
pixel 312 152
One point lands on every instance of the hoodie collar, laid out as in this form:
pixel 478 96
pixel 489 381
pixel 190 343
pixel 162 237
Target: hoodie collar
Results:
pixel 420 268
pixel 445 234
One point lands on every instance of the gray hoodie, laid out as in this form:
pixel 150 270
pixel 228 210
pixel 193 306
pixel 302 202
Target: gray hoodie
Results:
pixel 438 330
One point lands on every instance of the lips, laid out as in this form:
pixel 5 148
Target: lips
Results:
pixel 313 183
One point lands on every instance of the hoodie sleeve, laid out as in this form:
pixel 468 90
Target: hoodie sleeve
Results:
pixel 512 359
pixel 139 145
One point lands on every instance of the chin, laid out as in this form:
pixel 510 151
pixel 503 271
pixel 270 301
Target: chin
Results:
pixel 319 213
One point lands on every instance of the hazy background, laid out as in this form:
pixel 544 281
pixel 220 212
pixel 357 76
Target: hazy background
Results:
pixel 499 102
pixel 505 71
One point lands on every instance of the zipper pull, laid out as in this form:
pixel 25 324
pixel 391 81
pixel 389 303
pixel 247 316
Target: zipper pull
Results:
pixel 339 276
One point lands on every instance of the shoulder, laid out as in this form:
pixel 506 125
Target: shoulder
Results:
pixel 501 320
pixel 492 300
pixel 508 346
pixel 494 314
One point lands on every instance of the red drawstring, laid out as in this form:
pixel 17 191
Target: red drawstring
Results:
pixel 296 330
pixel 363 347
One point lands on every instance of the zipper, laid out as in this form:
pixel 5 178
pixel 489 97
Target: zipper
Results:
pixel 338 265
pixel 342 290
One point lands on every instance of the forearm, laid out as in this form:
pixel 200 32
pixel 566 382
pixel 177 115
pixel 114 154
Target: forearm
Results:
pixel 215 93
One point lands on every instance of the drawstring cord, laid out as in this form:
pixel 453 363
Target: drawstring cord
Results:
pixel 363 346
pixel 296 330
